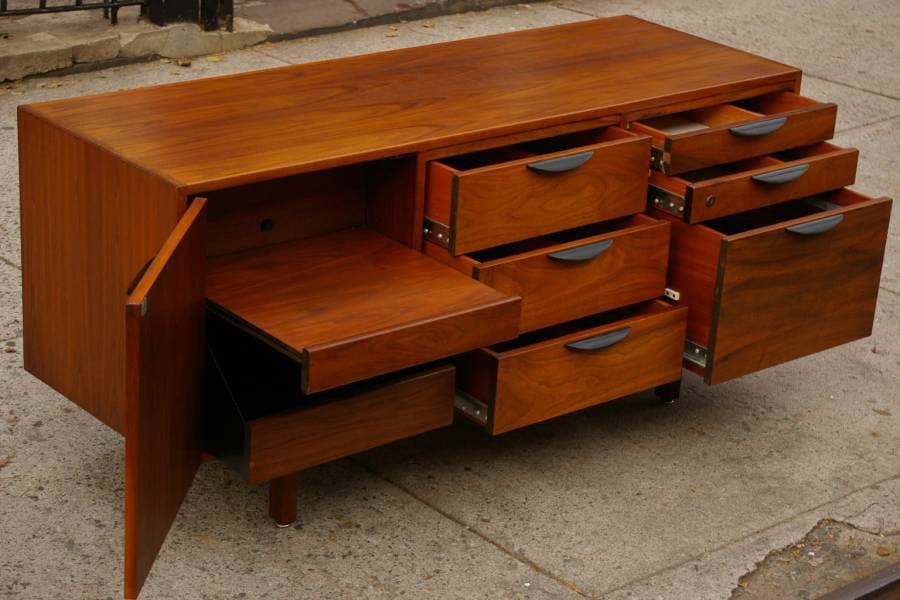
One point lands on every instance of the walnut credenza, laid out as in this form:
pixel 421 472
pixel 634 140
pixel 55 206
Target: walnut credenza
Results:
pixel 285 267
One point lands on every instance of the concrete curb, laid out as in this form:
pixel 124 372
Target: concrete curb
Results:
pixel 24 55
pixel 98 46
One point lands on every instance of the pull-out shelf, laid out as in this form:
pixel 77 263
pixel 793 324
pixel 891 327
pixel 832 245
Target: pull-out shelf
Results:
pixel 354 304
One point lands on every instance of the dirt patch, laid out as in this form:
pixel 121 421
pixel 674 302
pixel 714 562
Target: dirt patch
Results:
pixel 832 555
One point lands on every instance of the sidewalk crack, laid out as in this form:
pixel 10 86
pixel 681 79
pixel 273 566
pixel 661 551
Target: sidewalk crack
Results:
pixel 849 85
pixel 735 540
pixel 6 261
pixel 869 124
pixel 502 548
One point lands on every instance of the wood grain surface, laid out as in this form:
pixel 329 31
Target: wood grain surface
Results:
pixel 545 379
pixel 286 442
pixel 164 358
pixel 785 295
pixel 234 129
pixel 722 194
pixel 631 270
pixel 90 223
pixel 508 201
pixel 355 304
pixel 807 122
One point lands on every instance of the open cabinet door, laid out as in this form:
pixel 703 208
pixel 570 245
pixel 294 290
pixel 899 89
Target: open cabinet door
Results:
pixel 164 391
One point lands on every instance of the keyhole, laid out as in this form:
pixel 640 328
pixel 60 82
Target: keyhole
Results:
pixel 266 225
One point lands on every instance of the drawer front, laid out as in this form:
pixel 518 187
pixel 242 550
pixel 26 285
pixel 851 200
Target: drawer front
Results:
pixel 348 423
pixel 756 187
pixel 533 196
pixel 565 374
pixel 788 121
pixel 576 279
pixel 796 288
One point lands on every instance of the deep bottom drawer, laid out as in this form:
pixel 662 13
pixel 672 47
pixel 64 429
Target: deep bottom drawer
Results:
pixel 778 283
pixel 569 367
pixel 258 421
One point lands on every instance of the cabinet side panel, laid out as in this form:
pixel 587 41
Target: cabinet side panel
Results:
pixel 90 223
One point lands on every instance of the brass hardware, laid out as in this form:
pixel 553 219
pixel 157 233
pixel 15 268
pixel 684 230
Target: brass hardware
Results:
pixel 710 200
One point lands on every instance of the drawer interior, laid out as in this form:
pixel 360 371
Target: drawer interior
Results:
pixel 549 240
pixel 693 121
pixel 486 158
pixel 551 335
pixel 258 420
pixel 679 183
pixel 779 213
pixel 721 115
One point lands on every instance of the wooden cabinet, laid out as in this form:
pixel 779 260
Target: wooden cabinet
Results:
pixel 319 271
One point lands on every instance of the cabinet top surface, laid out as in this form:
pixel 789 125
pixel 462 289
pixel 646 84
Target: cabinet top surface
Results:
pixel 211 133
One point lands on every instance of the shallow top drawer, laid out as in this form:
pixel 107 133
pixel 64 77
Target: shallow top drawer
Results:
pixel 485 199
pixel 725 133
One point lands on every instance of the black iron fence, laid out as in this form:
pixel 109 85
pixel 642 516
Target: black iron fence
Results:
pixel 210 14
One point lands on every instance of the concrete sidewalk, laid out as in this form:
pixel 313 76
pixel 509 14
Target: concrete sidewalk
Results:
pixel 627 500
pixel 79 41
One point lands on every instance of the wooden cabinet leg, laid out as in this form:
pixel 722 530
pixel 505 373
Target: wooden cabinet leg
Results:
pixel 669 392
pixel 283 500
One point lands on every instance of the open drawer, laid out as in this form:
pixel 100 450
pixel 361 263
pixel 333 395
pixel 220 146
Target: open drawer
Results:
pixel 778 283
pixel 738 187
pixel 575 273
pixel 495 197
pixel 352 305
pixel 726 133
pixel 258 421
pixel 569 367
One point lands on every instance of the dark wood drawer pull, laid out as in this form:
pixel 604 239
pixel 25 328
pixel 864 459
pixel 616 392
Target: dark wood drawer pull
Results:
pixel 817 227
pixel 759 127
pixel 785 175
pixel 582 253
pixel 562 163
pixel 598 342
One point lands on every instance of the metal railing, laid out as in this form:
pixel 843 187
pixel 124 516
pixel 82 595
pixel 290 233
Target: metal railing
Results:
pixel 210 14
